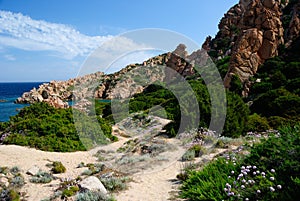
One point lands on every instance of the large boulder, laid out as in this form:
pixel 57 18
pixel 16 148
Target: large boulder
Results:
pixel 92 183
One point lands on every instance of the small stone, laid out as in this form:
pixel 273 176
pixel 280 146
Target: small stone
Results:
pixel 33 171
pixel 4 181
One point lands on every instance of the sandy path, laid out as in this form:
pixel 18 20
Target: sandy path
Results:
pixel 151 186
pixel 157 185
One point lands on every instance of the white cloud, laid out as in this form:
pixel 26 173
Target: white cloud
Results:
pixel 113 50
pixel 22 32
pixel 9 57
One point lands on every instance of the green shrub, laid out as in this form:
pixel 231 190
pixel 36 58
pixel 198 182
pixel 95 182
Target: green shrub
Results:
pixel 44 127
pixel 251 183
pixel 236 85
pixel 70 191
pixel 58 167
pixel 257 123
pixel 4 170
pixel 261 87
pixel 198 149
pixel 208 184
pixel 282 154
pixel 277 122
pixel 14 196
pixel 9 195
pixel 236 117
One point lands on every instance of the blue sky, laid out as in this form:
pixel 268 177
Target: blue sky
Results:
pixel 43 40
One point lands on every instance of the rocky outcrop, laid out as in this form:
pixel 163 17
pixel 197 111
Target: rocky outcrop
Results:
pixel 56 93
pixel 251 32
pixel 123 84
pixel 292 31
pixel 261 34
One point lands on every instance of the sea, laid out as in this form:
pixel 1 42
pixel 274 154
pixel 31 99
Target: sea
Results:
pixel 9 92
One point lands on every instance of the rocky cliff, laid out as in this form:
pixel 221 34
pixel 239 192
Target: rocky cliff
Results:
pixel 251 32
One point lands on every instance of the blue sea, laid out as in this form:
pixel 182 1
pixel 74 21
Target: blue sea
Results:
pixel 9 92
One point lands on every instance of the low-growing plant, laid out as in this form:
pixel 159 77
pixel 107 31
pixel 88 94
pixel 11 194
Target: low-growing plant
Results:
pixel 133 159
pixel 93 168
pixel 15 170
pixel 4 170
pixel 189 155
pixel 9 195
pixel 70 191
pixel 251 183
pixel 81 165
pixel 208 184
pixel 42 177
pixel 282 154
pixel 58 167
pixel 17 181
pixel 87 172
pixel 92 196
pixel 114 184
pixel 199 150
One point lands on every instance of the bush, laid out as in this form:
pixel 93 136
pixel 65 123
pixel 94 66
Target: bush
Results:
pixel 208 184
pixel 257 123
pixel 277 122
pixel 198 149
pixel 264 104
pixel 44 127
pixel 58 167
pixel 282 154
pixel 236 117
pixel 70 191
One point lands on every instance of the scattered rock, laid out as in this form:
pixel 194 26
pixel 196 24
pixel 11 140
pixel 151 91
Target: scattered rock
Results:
pixel 4 181
pixel 92 183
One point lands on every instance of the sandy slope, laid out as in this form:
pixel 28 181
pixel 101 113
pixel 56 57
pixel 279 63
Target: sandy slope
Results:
pixel 25 158
pixel 152 185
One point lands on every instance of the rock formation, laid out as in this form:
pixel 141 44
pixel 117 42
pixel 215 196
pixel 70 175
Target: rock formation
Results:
pixel 56 93
pixel 292 31
pixel 261 33
pixel 122 84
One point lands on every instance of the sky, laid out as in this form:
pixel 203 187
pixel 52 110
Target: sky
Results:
pixel 43 40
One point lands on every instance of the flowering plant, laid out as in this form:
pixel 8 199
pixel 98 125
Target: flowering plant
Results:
pixel 251 183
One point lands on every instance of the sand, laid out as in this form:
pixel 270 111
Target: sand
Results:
pixel 151 185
